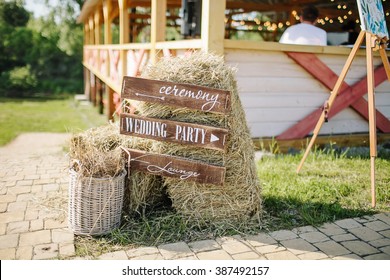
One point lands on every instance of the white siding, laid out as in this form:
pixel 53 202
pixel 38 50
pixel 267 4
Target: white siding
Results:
pixel 277 93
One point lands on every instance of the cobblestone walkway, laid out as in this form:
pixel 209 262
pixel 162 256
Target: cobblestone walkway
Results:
pixel 33 221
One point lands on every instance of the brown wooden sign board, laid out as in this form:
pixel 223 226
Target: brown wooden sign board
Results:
pixel 176 94
pixel 173 131
pixel 175 167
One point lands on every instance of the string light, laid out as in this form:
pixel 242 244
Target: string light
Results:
pixel 251 22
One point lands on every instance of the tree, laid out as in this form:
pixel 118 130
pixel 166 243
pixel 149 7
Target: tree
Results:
pixel 40 55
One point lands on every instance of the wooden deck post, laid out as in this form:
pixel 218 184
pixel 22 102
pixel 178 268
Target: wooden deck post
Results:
pixel 213 26
pixel 107 8
pixel 158 23
pixel 123 33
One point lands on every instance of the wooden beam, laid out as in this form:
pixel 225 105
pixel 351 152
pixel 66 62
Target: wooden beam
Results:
pixel 213 26
pixel 123 33
pixel 157 33
pixel 352 95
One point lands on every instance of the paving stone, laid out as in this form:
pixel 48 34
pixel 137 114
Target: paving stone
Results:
pixel 283 255
pixel 31 214
pixel 365 219
pixel 136 252
pixel 17 206
pixel 331 229
pixel 332 248
pixel 386 250
pixel 3 229
pixel 9 241
pixel 20 189
pixel 283 235
pixel 36 225
pixel 25 197
pixel 261 239
pixel 175 250
pixel 7 198
pixel 379 256
pixel 24 183
pixel 305 229
pixel 343 237
pixel 50 187
pixel 348 257
pixel 314 237
pixel 18 227
pixel 214 255
pixel 383 217
pixel 35 238
pixel 14 216
pixel 45 251
pixel 359 247
pixel 24 253
pixel 348 223
pixel 8 254
pixel 235 247
pixel 378 225
pixel 385 233
pixel 248 256
pixel 3 207
pixel 365 233
pixel 269 248
pixel 380 242
pixel 312 256
pixel 118 255
pixel 151 257
pixel 298 246
pixel 67 250
pixel 204 246
pixel 55 224
pixel 62 236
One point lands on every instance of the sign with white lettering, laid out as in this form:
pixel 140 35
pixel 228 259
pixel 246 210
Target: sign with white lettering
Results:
pixel 175 94
pixel 172 131
pixel 175 167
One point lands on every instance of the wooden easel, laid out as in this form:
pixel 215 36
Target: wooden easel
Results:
pixel 373 43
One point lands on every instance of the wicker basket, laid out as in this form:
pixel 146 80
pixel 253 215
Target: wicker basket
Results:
pixel 95 204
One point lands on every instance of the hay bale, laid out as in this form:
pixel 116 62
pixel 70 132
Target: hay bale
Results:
pixel 239 198
pixel 96 153
pixel 143 191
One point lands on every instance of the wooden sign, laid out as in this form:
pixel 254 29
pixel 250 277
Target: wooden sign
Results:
pixel 175 167
pixel 173 131
pixel 175 94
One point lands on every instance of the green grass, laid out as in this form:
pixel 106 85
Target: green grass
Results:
pixel 44 115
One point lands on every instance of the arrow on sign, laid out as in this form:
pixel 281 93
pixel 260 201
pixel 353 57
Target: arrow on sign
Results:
pixel 150 96
pixel 213 138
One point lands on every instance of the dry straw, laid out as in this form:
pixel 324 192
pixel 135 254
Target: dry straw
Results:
pixel 239 199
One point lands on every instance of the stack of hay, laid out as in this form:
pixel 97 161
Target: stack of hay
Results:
pixel 239 198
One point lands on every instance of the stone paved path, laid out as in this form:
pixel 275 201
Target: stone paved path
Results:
pixel 33 221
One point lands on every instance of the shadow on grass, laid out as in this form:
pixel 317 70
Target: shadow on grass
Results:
pixel 290 213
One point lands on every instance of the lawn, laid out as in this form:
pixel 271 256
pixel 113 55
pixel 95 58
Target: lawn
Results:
pixel 45 115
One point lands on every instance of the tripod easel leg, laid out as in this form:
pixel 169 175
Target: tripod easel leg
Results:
pixel 370 44
pixel 333 96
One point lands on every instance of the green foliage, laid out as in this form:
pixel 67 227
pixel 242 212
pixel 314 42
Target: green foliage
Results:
pixel 39 55
pixel 12 13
